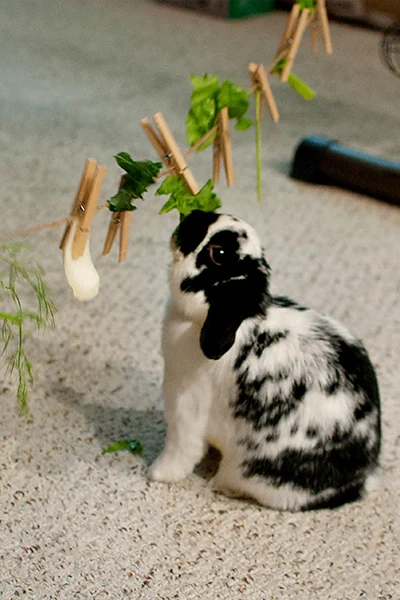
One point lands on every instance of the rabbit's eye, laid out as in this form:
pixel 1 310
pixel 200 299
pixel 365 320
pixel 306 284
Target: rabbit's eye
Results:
pixel 217 255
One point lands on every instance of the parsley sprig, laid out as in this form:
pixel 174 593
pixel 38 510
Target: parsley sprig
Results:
pixel 183 200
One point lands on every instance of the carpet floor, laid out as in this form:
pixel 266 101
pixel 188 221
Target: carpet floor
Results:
pixel 76 78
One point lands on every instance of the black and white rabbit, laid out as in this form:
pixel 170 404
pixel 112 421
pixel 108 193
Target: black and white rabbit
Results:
pixel 288 396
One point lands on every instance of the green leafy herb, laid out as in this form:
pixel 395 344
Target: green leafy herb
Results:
pixel 237 101
pixel 310 4
pixel 183 200
pixel 297 84
pixel 243 123
pixel 205 199
pixel 204 87
pixel 207 100
pixel 121 201
pixel 131 445
pixel 201 118
pixel 22 274
pixel 203 111
pixel 179 195
pixel 139 175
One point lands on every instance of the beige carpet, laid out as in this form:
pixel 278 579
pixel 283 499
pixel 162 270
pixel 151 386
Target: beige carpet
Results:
pixel 76 78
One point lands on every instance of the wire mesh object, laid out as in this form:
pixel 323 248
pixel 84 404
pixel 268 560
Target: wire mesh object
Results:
pixel 390 48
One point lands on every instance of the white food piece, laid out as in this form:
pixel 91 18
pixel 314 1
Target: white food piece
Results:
pixel 80 272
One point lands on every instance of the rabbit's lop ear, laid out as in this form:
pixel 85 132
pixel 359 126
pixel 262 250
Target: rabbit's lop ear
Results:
pixel 237 290
pixel 231 303
pixel 224 263
pixel 219 330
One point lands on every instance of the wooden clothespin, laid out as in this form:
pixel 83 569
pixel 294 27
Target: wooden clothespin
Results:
pixel 216 158
pixel 287 36
pixel 297 23
pixel 85 205
pixel 259 79
pixel 175 154
pixel 168 150
pixel 296 38
pixel 120 221
pixel 223 147
pixel 322 16
pixel 158 143
pixel 314 31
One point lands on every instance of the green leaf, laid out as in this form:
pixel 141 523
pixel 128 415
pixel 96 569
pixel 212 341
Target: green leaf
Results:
pixel 203 111
pixel 301 87
pixel 139 175
pixel 183 200
pixel 277 70
pixel 170 185
pixel 297 84
pixel 180 196
pixel 168 206
pixel 186 204
pixel 207 100
pixel 243 124
pixel 235 98
pixel 201 118
pixel 206 199
pixel 311 4
pixel 134 167
pixel 131 445
pixel 204 87
pixel 124 160
pixel 121 201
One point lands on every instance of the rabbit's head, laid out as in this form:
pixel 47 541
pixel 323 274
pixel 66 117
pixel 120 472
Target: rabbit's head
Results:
pixel 218 277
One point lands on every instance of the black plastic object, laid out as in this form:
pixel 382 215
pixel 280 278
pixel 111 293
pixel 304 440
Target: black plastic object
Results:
pixel 390 48
pixel 319 159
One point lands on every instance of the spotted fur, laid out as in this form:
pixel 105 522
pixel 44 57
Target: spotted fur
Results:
pixel 288 396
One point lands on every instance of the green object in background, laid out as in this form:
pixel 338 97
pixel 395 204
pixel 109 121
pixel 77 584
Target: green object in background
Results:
pixel 239 9
pixel 228 9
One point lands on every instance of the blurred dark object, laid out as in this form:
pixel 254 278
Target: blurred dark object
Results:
pixel 230 9
pixel 321 160
pixel 390 48
pixel 378 13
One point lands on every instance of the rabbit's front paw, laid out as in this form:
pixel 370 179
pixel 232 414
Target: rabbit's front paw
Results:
pixel 167 468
